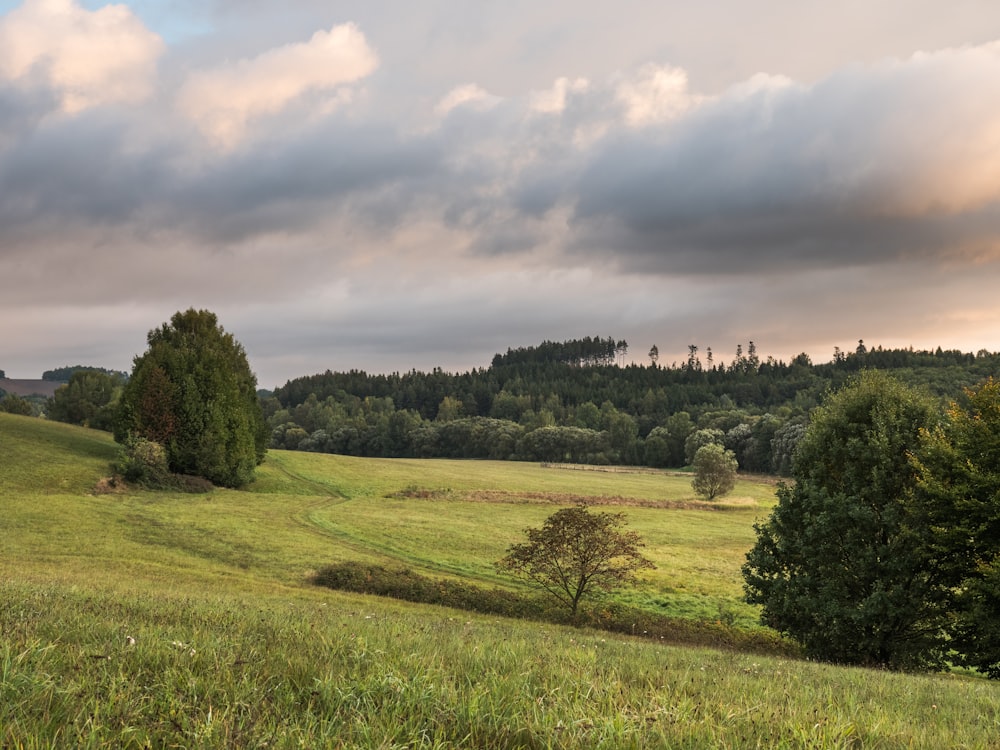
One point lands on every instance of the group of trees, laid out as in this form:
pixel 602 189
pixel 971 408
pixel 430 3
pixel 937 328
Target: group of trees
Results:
pixel 886 549
pixel 569 402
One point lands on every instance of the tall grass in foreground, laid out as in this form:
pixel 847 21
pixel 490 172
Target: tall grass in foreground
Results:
pixel 98 669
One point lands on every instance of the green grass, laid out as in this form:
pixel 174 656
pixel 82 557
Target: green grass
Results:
pixel 171 620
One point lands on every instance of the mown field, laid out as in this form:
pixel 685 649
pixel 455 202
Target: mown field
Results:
pixel 167 620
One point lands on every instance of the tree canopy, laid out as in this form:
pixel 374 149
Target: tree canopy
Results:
pixel 576 552
pixel 714 471
pixel 193 392
pixel 958 501
pixel 90 398
pixel 839 565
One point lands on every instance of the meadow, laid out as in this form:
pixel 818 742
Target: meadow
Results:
pixel 148 619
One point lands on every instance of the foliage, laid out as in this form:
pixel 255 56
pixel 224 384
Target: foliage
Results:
pixel 408 585
pixel 193 392
pixel 143 462
pixel 65 374
pixel 837 566
pixel 699 439
pixel 575 552
pixel 89 399
pixel 959 506
pixel 647 412
pixel 714 471
pixel 14 404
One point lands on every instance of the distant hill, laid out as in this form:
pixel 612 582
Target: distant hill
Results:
pixel 30 387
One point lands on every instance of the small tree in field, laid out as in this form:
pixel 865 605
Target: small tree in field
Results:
pixel 714 471
pixel 575 552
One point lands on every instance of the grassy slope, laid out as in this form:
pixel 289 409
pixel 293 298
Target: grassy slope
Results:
pixel 233 649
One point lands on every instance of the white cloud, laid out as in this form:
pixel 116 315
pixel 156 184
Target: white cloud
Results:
pixel 223 100
pixel 467 95
pixel 658 93
pixel 88 57
pixel 553 100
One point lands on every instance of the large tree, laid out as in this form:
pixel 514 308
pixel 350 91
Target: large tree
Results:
pixel 194 393
pixel 576 552
pixel 959 502
pixel 840 565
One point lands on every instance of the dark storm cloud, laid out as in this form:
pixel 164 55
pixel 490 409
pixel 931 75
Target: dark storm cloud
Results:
pixel 856 170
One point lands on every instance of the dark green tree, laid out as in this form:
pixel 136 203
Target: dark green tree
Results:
pixel 839 565
pixel 714 471
pixel 90 398
pixel 193 392
pixel 575 552
pixel 959 499
pixel 11 403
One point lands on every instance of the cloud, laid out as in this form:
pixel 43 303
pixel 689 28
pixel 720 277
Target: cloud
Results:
pixel 223 100
pixel 898 161
pixel 467 95
pixel 657 94
pixel 553 100
pixel 88 58
pixel 413 226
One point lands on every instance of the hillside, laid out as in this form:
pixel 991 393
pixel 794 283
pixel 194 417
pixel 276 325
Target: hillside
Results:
pixel 22 388
pixel 159 619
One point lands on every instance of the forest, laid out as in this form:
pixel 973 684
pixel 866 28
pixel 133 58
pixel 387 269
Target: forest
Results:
pixel 574 401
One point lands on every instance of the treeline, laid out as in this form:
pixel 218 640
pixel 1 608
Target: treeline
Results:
pixel 63 374
pixel 569 402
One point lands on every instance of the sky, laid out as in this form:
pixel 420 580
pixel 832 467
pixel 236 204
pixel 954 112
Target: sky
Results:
pixel 391 186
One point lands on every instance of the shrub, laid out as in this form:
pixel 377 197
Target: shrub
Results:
pixel 143 462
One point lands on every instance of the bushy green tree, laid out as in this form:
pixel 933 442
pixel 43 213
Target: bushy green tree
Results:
pixel 701 438
pixel 193 393
pixel 839 566
pixel 959 503
pixel 14 404
pixel 90 398
pixel 576 552
pixel 714 471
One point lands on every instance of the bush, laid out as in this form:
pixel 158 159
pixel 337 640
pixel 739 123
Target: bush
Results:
pixel 144 462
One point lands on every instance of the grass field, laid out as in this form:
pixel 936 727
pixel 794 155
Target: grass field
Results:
pixel 169 620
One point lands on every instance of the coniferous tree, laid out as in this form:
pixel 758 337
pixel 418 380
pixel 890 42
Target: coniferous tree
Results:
pixel 193 392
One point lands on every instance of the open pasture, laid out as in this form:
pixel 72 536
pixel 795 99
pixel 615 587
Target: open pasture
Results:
pixel 141 619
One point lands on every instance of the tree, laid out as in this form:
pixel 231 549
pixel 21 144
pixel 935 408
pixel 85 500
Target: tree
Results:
pixel 700 438
pixel 14 404
pixel 838 565
pixel 714 471
pixel 575 552
pixel 193 392
pixel 959 504
pixel 90 398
